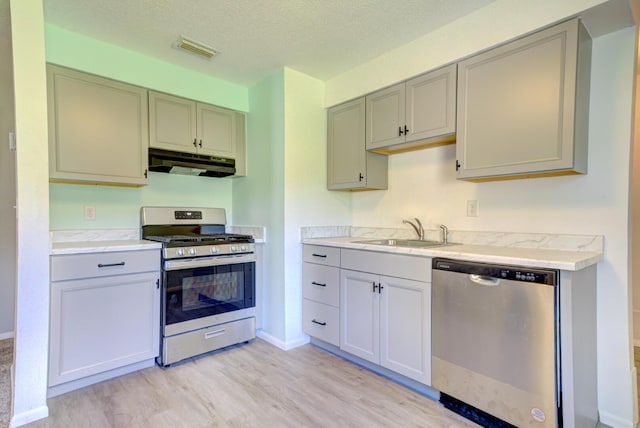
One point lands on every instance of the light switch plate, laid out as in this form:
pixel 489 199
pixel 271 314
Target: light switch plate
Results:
pixel 89 212
pixel 472 208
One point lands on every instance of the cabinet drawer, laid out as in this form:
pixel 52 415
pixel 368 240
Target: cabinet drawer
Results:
pixel 396 265
pixel 321 321
pixel 322 255
pixel 321 283
pixel 77 266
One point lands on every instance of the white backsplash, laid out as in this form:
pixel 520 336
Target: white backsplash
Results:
pixel 83 235
pixel 259 233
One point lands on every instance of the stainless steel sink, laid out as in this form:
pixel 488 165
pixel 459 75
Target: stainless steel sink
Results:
pixel 417 243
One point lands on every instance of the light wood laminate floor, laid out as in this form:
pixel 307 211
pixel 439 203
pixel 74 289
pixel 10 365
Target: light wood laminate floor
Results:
pixel 254 385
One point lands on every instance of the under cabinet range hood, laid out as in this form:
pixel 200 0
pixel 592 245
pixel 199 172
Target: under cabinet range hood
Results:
pixel 190 164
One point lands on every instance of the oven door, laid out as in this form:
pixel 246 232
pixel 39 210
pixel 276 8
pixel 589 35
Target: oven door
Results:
pixel 204 287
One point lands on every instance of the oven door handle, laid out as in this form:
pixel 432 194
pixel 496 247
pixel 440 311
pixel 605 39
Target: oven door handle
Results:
pixel 208 261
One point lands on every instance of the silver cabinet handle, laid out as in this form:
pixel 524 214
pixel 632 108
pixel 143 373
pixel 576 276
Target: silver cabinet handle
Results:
pixel 215 333
pixel 318 322
pixel 489 281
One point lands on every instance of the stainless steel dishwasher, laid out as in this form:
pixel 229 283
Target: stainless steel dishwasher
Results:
pixel 495 343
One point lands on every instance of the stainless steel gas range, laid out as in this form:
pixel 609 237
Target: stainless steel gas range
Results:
pixel 208 281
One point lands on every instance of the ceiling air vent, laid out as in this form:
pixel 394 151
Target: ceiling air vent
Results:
pixel 195 48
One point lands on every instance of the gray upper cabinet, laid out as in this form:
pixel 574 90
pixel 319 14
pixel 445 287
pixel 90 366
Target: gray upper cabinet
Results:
pixel 415 114
pixel 172 123
pixel 98 129
pixel 187 126
pixel 216 131
pixel 349 165
pixel 523 107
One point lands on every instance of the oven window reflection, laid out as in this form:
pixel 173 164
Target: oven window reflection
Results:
pixel 211 290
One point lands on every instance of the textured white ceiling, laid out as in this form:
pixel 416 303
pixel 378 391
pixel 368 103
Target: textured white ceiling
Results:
pixel 321 38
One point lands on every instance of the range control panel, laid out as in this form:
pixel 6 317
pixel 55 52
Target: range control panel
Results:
pixel 188 215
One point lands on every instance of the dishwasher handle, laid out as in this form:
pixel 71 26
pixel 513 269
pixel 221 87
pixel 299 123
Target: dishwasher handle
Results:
pixel 488 281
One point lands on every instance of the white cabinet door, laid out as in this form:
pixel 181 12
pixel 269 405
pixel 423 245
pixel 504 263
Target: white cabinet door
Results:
pixel 99 324
pixel 405 327
pixel 98 129
pixel 359 319
pixel 172 123
pixel 349 165
pixel 216 131
pixel 523 107
pixel 386 117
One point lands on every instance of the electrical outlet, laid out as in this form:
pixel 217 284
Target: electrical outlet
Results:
pixel 89 212
pixel 472 208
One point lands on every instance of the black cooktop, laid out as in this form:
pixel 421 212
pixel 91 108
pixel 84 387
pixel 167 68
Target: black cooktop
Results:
pixel 190 240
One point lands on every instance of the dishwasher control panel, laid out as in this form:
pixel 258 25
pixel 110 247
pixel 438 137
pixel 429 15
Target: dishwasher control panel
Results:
pixel 513 273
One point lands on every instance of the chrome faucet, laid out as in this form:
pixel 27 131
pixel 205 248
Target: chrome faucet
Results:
pixel 417 226
pixel 445 233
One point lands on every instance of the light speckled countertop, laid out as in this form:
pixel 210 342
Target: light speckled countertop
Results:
pixel 77 247
pixel 563 259
pixel 83 241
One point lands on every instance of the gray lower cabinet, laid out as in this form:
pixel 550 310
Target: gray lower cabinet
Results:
pixel 349 165
pixel 385 321
pixel 375 306
pixel 98 129
pixel 105 313
pixel 523 107
pixel 415 114
pixel 321 293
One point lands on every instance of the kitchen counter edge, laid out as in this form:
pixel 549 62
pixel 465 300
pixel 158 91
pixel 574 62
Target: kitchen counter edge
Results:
pixel 64 248
pixel 529 257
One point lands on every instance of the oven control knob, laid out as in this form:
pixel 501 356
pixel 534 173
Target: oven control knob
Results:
pixel 192 251
pixel 234 248
pixel 243 248
pixel 180 252
pixel 214 250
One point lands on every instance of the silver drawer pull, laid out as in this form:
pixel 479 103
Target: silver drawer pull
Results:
pixel 324 256
pixel 211 334
pixel 318 322
pixel 103 265
pixel 318 284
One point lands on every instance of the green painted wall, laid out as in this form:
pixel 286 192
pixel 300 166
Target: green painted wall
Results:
pixel 120 207
pixel 258 199
pixel 73 50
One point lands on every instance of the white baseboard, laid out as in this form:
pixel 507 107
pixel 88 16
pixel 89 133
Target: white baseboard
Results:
pixel 6 335
pixel 29 416
pixel 285 346
pixel 615 421
pixel 634 389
